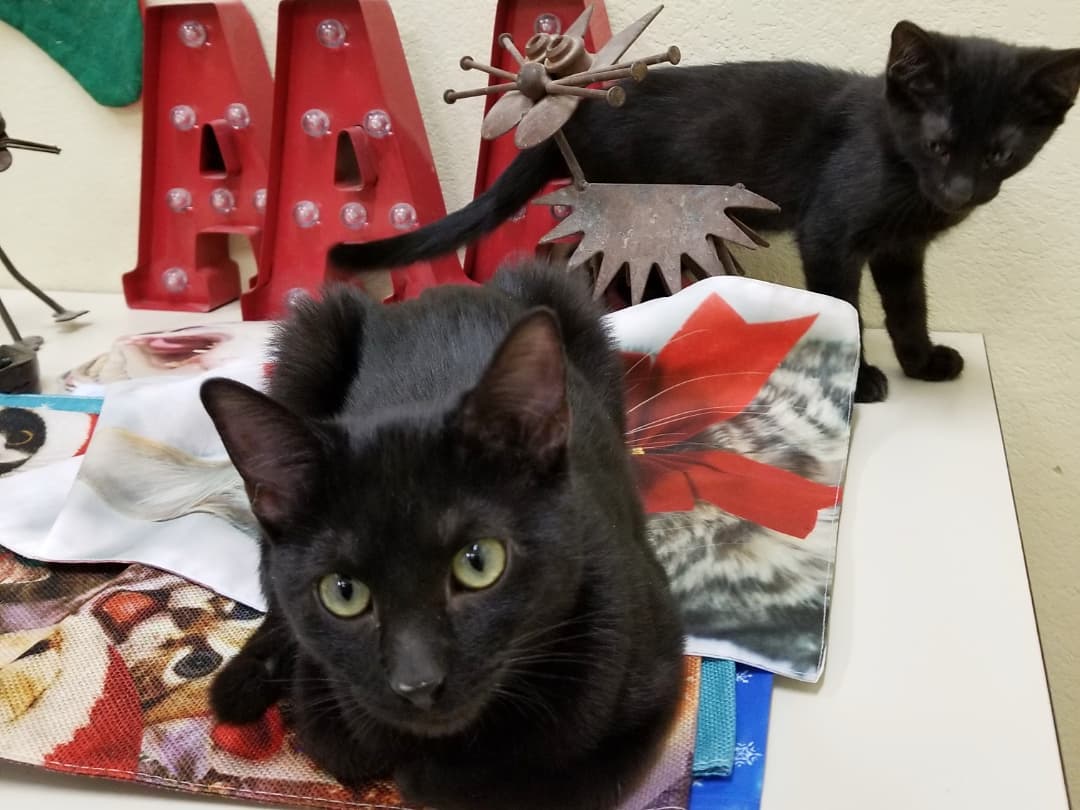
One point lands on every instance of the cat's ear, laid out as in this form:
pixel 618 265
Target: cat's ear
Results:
pixel 1055 80
pixel 916 66
pixel 520 404
pixel 275 453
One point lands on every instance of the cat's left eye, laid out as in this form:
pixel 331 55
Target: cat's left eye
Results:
pixel 344 596
pixel 479 565
pixel 999 157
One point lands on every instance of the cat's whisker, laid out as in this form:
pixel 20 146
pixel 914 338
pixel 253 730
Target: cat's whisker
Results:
pixel 687 414
pixel 694 381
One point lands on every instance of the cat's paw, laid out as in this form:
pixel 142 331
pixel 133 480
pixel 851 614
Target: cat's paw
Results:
pixel 941 363
pixel 243 691
pixel 872 385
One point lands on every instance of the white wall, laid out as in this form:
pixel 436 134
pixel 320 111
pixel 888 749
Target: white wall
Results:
pixel 1012 271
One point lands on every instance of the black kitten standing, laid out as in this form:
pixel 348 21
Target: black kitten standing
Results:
pixel 865 169
pixel 460 591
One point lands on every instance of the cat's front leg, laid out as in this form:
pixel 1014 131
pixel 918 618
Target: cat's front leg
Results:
pixel 898 276
pixel 255 678
pixel 840 278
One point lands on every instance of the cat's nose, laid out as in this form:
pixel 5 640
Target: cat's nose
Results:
pixel 421 694
pixel 957 191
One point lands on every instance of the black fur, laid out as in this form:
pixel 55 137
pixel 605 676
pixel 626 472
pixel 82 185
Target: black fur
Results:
pixel 866 169
pixel 471 412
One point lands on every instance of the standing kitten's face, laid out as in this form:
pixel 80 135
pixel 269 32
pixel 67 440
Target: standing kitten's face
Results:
pixel 969 113
pixel 422 557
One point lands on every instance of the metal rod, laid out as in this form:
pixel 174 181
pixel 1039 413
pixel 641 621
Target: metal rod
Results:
pixel 507 42
pixel 569 90
pixel 468 63
pixel 450 96
pixel 614 96
pixel 5 316
pixel 19 277
pixel 571 160
pixel 672 55
pixel 637 72
pixel 30 146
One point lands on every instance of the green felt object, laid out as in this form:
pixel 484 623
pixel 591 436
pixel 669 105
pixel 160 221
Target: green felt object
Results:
pixel 99 42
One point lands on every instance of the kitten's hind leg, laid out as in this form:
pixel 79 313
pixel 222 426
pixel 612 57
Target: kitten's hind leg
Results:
pixel 255 678
pixel 898 275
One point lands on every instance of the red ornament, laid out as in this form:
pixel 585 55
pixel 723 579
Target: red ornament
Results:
pixel 206 143
pixel 521 19
pixel 708 372
pixel 256 741
pixel 350 157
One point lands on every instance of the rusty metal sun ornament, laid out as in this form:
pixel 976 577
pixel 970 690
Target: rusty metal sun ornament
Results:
pixel 637 226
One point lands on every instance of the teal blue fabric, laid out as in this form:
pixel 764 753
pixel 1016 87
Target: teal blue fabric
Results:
pixel 714 751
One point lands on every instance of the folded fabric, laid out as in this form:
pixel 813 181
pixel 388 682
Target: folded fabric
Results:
pixel 714 751
pixel 742 789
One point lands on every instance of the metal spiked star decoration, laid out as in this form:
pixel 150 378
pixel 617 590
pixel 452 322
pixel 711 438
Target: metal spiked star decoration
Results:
pixel 637 226
pixel 655 224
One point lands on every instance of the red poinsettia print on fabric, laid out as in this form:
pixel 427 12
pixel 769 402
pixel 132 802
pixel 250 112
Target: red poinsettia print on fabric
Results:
pixel 707 373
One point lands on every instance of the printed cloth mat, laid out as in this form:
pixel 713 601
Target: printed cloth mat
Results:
pixel 739 400
pixel 104 672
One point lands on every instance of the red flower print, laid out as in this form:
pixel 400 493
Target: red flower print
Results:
pixel 707 373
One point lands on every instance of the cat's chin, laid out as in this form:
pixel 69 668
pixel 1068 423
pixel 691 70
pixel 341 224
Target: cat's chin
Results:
pixel 432 723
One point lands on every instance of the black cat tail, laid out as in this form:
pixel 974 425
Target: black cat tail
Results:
pixel 521 180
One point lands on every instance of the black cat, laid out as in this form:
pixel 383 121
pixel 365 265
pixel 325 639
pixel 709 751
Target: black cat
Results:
pixel 460 591
pixel 865 169
pixel 23 434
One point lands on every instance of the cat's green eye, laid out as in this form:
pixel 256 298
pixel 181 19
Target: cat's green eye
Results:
pixel 479 565
pixel 344 596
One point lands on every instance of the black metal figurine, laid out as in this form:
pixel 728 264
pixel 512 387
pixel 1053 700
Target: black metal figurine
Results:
pixel 18 361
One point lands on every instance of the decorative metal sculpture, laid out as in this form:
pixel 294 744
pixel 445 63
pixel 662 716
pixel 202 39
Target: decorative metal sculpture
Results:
pixel 636 225
pixel 644 225
pixel 18 360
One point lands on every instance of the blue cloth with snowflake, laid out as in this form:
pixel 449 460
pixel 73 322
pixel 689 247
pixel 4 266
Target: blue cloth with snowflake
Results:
pixel 714 749
pixel 742 789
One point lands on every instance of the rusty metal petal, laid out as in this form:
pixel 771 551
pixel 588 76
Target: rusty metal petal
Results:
pixel 616 46
pixel 505 114
pixel 544 120
pixel 579 26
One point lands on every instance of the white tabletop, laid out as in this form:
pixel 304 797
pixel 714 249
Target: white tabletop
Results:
pixel 934 696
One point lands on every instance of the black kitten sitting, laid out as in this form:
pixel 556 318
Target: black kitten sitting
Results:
pixel 460 591
pixel 866 169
